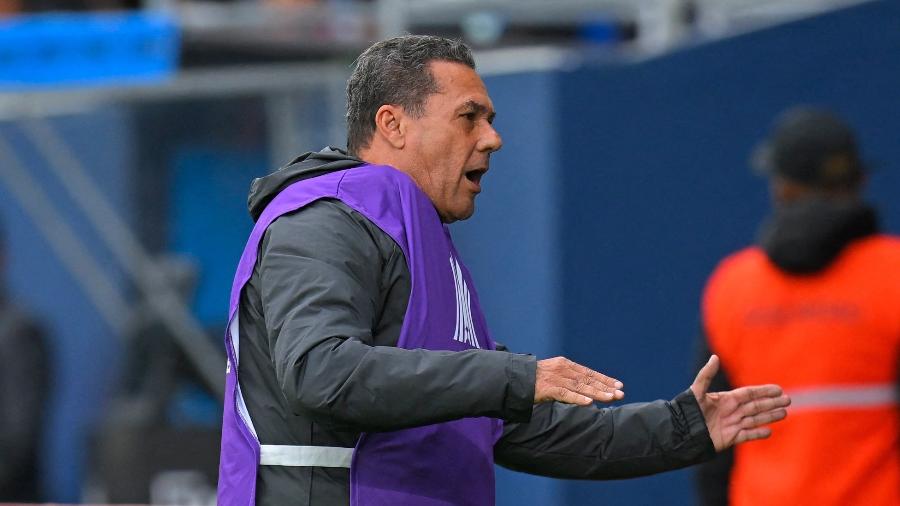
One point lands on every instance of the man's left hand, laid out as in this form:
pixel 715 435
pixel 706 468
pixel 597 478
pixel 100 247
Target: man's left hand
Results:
pixel 738 415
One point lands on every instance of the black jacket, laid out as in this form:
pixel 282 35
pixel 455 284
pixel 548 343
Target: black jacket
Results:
pixel 319 322
pixel 24 391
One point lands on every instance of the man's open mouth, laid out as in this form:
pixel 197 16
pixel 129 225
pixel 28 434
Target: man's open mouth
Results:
pixel 475 175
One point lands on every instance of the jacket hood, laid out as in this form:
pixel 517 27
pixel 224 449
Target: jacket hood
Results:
pixel 305 166
pixel 807 236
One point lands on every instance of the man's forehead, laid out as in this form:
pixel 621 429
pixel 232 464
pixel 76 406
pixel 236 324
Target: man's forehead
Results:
pixel 458 79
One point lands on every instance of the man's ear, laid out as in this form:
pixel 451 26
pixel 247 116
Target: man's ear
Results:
pixel 390 125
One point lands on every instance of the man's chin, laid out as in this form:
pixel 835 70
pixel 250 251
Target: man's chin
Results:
pixel 460 215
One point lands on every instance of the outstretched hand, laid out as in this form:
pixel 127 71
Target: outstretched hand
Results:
pixel 738 415
pixel 560 379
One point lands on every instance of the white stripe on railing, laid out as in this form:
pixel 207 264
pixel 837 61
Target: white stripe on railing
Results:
pixel 844 396
pixel 304 456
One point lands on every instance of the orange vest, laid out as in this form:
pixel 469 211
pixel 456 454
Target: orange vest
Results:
pixel 832 341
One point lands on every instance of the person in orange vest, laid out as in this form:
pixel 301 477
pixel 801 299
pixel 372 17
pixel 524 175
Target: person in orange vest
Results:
pixel 815 307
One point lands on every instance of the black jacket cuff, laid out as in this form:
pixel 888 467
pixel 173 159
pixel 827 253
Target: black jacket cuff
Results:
pixel 695 431
pixel 521 371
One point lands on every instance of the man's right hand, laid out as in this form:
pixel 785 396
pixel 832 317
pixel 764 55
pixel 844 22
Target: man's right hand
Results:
pixel 560 379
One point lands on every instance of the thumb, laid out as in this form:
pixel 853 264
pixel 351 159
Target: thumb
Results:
pixel 705 376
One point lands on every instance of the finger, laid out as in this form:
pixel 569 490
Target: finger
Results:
pixel 751 393
pixel 752 434
pixel 584 385
pixel 567 396
pixel 705 376
pixel 595 375
pixel 763 418
pixel 595 390
pixel 589 382
pixel 607 392
pixel 764 404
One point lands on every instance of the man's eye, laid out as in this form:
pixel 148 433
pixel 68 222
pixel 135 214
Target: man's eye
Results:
pixel 469 116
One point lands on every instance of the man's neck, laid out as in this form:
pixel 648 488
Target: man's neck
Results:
pixel 377 154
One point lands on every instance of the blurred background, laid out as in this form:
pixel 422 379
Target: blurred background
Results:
pixel 130 131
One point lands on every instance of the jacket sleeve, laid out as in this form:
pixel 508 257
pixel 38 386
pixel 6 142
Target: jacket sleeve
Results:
pixel 567 441
pixel 23 392
pixel 712 478
pixel 320 273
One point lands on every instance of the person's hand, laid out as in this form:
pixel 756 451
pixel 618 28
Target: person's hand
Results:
pixel 738 415
pixel 560 379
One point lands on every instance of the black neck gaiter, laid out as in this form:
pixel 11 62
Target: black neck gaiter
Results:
pixel 806 236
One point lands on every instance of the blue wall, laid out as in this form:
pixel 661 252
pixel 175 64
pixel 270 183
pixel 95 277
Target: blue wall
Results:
pixel 84 349
pixel 224 174
pixel 622 185
pixel 511 243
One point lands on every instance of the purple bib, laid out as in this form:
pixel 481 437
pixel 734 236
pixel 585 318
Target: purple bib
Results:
pixel 448 463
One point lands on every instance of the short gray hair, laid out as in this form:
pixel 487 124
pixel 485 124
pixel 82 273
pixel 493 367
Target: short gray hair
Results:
pixel 395 71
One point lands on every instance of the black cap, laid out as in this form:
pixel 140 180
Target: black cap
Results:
pixel 811 146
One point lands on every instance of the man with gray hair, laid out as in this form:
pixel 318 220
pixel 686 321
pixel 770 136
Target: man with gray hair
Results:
pixel 361 370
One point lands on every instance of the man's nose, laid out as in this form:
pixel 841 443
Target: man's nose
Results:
pixel 490 140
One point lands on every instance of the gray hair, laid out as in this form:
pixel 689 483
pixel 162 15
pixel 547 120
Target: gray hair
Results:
pixel 395 71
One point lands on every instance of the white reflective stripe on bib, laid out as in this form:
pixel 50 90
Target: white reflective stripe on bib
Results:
pixel 234 329
pixel 305 456
pixel 844 397
pixel 286 455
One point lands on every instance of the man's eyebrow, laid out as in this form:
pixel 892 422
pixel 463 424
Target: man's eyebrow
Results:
pixel 479 108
